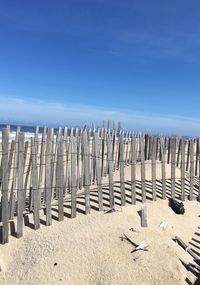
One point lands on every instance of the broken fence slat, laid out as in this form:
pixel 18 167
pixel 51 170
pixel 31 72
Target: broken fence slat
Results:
pixel 144 217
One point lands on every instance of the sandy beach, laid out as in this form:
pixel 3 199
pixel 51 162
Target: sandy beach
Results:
pixel 89 249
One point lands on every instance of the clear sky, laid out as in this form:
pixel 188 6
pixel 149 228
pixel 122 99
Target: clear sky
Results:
pixel 69 62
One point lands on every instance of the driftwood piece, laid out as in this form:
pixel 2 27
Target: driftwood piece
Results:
pixel 140 246
pixel 129 240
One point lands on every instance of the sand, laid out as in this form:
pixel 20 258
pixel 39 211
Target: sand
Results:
pixel 89 250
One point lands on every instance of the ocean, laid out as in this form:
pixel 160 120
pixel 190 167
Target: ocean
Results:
pixel 28 131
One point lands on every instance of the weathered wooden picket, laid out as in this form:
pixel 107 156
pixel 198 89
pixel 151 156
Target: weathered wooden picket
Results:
pixel 36 174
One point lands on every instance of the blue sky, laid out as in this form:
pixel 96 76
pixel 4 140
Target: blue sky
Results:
pixel 73 62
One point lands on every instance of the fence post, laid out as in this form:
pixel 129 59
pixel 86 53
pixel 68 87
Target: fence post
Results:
pixel 81 159
pixel 143 170
pixel 197 155
pixel 121 167
pixel 146 148
pixel 163 166
pixel 54 163
pixel 35 185
pixel 103 136
pixel 14 174
pixel 182 169
pixel 5 214
pixel 157 148
pixel 48 185
pixel 113 146
pixel 73 177
pixel 12 194
pixel 133 170
pixel 65 138
pixel 110 170
pixel 179 151
pixel 92 159
pixel 188 155
pixel 98 171
pixel 191 169
pixel 87 180
pixel 116 157
pixel 153 168
pixel 173 166
pixel 42 166
pixel 199 175
pixel 36 136
pixel 27 183
pixel 150 142
pixel 168 150
pixel 126 148
pixel 20 190
pixel 60 178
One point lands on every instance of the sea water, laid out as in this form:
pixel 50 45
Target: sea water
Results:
pixel 28 131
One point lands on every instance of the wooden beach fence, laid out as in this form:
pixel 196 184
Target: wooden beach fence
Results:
pixel 59 166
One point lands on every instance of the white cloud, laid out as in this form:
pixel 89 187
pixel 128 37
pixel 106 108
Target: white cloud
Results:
pixel 32 112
